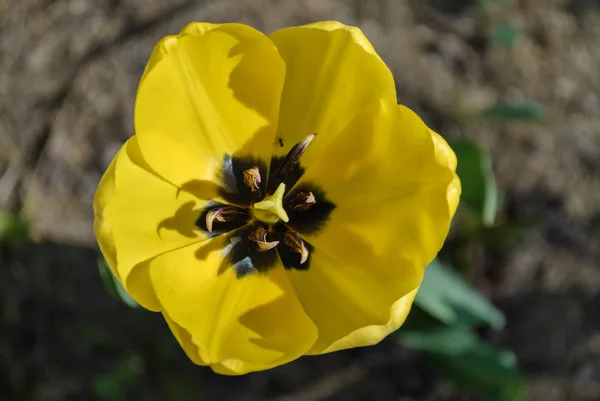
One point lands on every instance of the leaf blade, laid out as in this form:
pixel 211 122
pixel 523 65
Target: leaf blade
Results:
pixel 459 355
pixel 446 296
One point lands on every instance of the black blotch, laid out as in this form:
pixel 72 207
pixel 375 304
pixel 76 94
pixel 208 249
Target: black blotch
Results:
pixel 233 189
pixel 290 258
pixel 221 227
pixel 245 257
pixel 311 220
pixel 291 179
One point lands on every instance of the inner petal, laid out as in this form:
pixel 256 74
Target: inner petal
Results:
pixel 211 93
pixel 332 73
pixel 383 175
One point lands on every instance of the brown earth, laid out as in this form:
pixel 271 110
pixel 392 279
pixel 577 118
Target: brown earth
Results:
pixel 68 76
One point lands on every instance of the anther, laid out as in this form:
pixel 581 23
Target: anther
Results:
pixel 293 157
pixel 222 214
pixel 259 237
pixel 293 240
pixel 303 201
pixel 252 178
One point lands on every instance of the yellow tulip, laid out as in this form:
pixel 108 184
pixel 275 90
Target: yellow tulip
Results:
pixel 276 201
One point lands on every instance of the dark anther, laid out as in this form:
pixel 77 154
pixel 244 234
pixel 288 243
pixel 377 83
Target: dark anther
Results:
pixel 259 237
pixel 252 178
pixel 222 214
pixel 293 240
pixel 293 157
pixel 303 201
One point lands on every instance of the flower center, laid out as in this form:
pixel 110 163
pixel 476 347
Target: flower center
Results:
pixel 270 210
pixel 263 222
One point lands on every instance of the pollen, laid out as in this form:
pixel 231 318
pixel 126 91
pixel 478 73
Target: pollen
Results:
pixel 259 237
pixel 303 201
pixel 252 178
pixel 293 240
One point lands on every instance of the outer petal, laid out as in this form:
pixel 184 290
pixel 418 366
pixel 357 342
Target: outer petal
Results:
pixel 211 91
pixel 138 216
pixel 185 341
pixel 239 325
pixel 104 193
pixel 390 186
pixel 446 157
pixel 332 72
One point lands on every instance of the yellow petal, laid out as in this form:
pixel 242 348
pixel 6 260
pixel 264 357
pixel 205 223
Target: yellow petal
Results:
pixel 370 335
pixel 185 341
pixel 447 158
pixel 391 217
pixel 239 325
pixel 354 302
pixel 143 217
pixel 104 193
pixel 166 44
pixel 332 72
pixel 211 91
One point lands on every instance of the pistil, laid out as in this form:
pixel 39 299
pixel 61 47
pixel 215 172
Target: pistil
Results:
pixel 270 210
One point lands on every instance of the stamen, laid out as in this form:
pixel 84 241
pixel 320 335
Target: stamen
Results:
pixel 293 240
pixel 222 214
pixel 252 178
pixel 259 236
pixel 293 157
pixel 303 201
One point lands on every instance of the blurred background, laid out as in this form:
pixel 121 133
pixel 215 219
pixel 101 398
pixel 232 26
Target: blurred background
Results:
pixel 519 78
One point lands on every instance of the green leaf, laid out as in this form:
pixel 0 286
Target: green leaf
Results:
pixel 516 111
pixel 116 384
pixel 458 354
pixel 13 231
pixel 108 386
pixel 479 191
pixel 446 296
pixel 177 388
pixel 506 233
pixel 505 33
pixel 113 286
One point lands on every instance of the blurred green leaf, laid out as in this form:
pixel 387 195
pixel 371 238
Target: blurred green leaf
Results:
pixel 516 111
pixel 419 320
pixel 113 286
pixel 116 384
pixel 505 233
pixel 13 231
pixel 458 354
pixel 479 191
pixel 505 33
pixel 178 389
pixel 108 387
pixel 446 296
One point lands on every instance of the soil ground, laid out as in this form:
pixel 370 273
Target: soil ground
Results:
pixel 68 75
